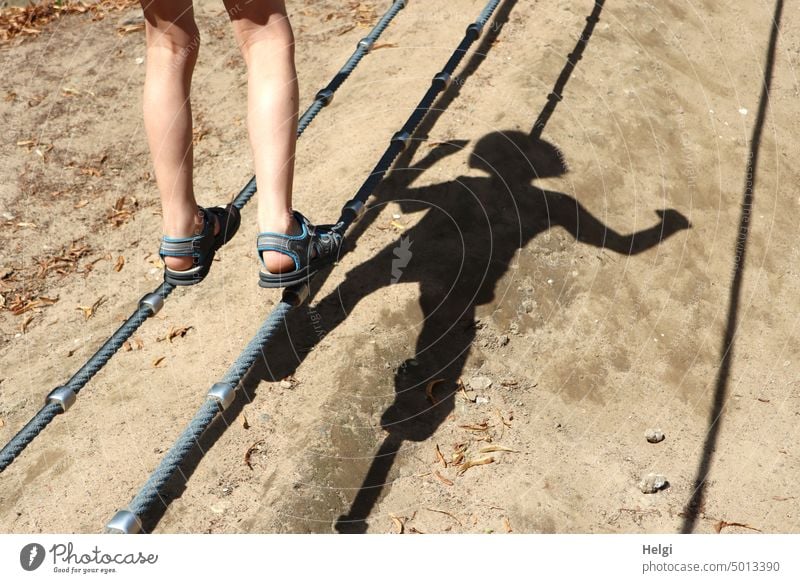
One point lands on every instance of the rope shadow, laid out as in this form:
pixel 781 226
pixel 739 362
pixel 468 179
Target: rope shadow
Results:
pixel 695 505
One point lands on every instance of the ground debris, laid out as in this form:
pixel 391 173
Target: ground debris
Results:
pixel 474 462
pixel 722 524
pixel 88 311
pixel 256 447
pixel 31 19
pixel 175 332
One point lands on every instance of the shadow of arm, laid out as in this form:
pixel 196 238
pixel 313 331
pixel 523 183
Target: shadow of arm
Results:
pixel 567 212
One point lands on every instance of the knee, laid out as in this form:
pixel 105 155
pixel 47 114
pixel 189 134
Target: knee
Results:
pixel 270 39
pixel 181 45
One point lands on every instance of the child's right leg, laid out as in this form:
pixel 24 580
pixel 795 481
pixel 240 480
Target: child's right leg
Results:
pixel 265 38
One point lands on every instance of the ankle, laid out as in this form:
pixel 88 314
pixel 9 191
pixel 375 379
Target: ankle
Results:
pixel 283 223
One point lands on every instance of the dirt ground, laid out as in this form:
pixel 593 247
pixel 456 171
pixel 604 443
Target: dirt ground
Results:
pixel 496 262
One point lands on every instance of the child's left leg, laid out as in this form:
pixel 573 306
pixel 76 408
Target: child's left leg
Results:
pixel 173 43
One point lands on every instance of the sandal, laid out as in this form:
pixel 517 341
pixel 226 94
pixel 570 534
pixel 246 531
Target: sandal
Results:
pixel 312 249
pixel 200 247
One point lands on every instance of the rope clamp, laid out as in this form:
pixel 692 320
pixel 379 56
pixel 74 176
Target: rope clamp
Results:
pixel 64 396
pixel 153 302
pixel 296 295
pixel 124 522
pixel 223 394
pixel 402 138
pixel 325 96
pixel 366 44
pixel 442 80
pixel 356 207
pixel 476 29
pixel 402 3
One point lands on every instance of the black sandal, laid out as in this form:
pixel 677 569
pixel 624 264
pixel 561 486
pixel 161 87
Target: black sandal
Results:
pixel 312 249
pixel 200 247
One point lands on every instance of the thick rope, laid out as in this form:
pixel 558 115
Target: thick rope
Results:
pixel 20 441
pixel 293 297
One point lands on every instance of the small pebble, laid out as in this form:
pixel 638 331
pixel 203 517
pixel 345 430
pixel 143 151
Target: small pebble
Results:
pixel 652 483
pixel 481 400
pixel 654 435
pixel 503 340
pixel 139 60
pixel 480 383
pixel 286 384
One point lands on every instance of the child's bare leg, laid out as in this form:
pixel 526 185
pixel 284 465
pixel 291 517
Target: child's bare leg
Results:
pixel 173 42
pixel 266 40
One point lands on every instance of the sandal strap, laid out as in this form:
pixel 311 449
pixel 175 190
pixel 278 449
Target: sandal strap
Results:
pixel 298 247
pixel 194 246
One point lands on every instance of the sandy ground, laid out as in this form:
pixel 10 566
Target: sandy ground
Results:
pixel 571 337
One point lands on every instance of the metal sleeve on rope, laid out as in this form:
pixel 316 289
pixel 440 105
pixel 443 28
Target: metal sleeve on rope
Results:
pixel 153 302
pixel 365 44
pixel 324 96
pixel 442 80
pixel 64 397
pixel 223 394
pixel 124 522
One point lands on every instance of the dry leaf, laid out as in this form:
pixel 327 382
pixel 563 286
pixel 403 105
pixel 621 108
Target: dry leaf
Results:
pixel 88 311
pixel 397 523
pixel 245 424
pixel 24 326
pixel 507 524
pixel 493 448
pixel 398 226
pixel 464 393
pixel 2 422
pixel 377 46
pixel 440 457
pixel 250 451
pixel 80 204
pixel 158 361
pixel 446 514
pixel 119 264
pixel 442 479
pixel 175 332
pixel 429 391
pixel 724 524
pixel 483 426
pixel 474 462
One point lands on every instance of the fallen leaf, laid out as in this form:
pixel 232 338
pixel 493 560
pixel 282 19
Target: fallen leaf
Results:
pixel 464 393
pixel 724 524
pixel 507 524
pixel 80 204
pixel 175 332
pixel 440 457
pixel 24 327
pixel 483 426
pixel 474 462
pixel 429 391
pixel 377 46
pixel 250 451
pixel 119 264
pixel 446 514
pixel 2 422
pixel 442 479
pixel 158 361
pixel 245 424
pixel 398 226
pixel 493 448
pixel 397 523
pixel 88 311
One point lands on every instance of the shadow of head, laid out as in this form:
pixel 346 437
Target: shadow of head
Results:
pixel 516 157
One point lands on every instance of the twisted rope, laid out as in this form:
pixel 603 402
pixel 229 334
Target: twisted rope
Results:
pixel 129 521
pixel 20 441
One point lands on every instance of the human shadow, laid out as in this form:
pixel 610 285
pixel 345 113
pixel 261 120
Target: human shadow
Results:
pixel 458 253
